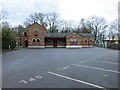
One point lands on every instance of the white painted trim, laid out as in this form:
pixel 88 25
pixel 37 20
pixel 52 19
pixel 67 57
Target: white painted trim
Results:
pixel 87 46
pixel 36 47
pixel 91 46
pixel 48 46
pixel 61 46
pixel 73 46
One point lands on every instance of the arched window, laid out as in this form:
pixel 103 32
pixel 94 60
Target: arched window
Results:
pixel 38 41
pixel 90 41
pixel 73 41
pixel 34 41
pixel 36 32
pixel 25 33
pixel 85 40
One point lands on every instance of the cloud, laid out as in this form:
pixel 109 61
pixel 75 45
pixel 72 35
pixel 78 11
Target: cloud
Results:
pixel 77 9
pixel 19 10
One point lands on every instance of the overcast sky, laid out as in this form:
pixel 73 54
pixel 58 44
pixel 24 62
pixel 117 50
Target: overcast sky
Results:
pixel 19 10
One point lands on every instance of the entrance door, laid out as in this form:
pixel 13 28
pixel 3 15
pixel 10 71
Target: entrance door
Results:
pixel 26 43
pixel 54 43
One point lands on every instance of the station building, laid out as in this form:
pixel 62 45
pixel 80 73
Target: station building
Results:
pixel 36 36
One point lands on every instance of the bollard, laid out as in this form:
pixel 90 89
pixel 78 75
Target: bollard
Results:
pixel 9 47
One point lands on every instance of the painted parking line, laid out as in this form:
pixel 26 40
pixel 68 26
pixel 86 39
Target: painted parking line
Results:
pixel 98 61
pixel 80 81
pixel 95 68
pixel 64 68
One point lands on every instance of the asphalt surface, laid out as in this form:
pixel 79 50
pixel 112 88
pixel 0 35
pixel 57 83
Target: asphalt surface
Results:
pixel 60 68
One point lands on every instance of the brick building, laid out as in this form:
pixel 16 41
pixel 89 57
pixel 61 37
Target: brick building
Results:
pixel 36 36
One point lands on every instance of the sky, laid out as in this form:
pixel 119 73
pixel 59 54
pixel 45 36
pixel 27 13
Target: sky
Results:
pixel 19 10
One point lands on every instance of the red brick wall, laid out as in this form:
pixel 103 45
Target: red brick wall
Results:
pixel 23 38
pixel 74 35
pixel 41 34
pixel 80 40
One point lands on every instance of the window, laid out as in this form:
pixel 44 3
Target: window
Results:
pixel 25 33
pixel 60 42
pixel 38 41
pixel 36 32
pixel 34 41
pixel 85 41
pixel 90 41
pixel 73 41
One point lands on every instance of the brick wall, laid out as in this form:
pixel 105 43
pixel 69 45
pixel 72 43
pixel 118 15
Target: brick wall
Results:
pixel 40 36
pixel 74 36
pixel 74 39
pixel 23 37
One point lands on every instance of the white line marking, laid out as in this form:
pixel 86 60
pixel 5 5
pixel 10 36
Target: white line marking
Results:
pixel 95 68
pixel 97 86
pixel 83 61
pixel 63 68
pixel 31 79
pixel 105 75
pixel 38 77
pixel 23 81
pixel 101 61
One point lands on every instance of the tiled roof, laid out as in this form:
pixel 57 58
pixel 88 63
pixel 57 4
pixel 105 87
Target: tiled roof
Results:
pixel 86 34
pixel 63 35
pixel 54 35
pixel 23 29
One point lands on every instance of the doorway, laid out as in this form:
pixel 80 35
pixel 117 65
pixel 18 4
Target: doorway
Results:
pixel 26 43
pixel 54 43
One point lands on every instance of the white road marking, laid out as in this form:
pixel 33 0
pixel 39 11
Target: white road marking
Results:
pixel 105 75
pixel 31 79
pixel 63 68
pixel 23 81
pixel 38 77
pixel 100 61
pixel 83 61
pixel 87 83
pixel 96 68
pixel 67 66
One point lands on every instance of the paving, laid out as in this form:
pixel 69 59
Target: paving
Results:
pixel 60 68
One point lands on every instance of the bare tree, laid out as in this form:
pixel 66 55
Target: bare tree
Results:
pixel 68 26
pixel 53 21
pixel 114 30
pixel 5 25
pixel 96 24
pixel 3 14
pixel 36 17
pixel 82 26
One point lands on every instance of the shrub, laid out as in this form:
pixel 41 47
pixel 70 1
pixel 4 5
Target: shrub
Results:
pixel 8 39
